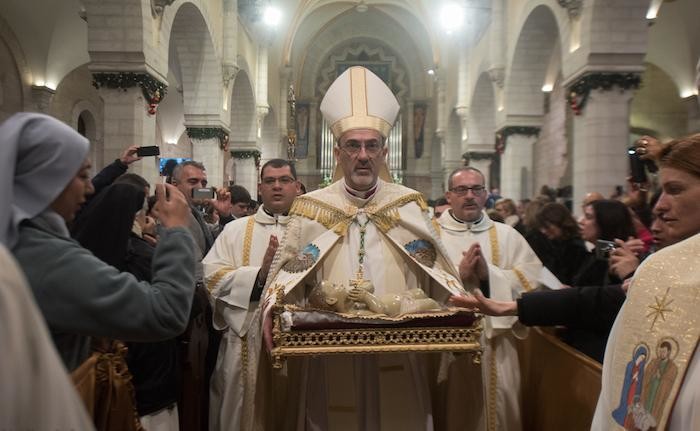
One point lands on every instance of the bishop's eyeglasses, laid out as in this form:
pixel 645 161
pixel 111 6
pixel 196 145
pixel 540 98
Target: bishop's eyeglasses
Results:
pixel 463 190
pixel 353 148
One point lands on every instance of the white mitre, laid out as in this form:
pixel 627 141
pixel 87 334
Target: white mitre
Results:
pixel 359 99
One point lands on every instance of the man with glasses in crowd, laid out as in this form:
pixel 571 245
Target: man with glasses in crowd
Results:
pixel 362 228
pixel 497 259
pixel 236 270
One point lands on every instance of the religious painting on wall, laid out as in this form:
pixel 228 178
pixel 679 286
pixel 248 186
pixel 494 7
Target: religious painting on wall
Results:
pixel 420 111
pixel 302 126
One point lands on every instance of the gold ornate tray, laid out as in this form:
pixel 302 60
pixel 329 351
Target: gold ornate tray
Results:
pixel 298 332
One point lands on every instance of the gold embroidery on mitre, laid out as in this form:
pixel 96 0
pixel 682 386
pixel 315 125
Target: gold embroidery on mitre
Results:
pixel 359 117
pixel 360 122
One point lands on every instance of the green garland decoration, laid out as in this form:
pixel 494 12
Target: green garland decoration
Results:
pixel 204 133
pixel 247 154
pixel 153 90
pixel 502 135
pixel 581 89
pixel 476 155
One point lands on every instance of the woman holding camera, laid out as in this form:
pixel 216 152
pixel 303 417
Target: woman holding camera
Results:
pixel 603 222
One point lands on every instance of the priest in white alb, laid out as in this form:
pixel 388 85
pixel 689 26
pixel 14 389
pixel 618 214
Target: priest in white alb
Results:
pixel 497 259
pixel 236 270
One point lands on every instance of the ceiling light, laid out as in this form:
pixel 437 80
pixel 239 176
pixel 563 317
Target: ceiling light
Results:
pixel 272 16
pixel 452 17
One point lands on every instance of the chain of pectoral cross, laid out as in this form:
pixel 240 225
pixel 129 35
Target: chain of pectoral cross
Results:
pixel 363 230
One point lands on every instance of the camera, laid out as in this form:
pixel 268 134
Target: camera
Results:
pixel 204 193
pixel 148 151
pixel 637 167
pixel 603 249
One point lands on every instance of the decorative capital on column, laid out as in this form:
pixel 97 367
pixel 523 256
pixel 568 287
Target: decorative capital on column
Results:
pixel 42 96
pixel 498 75
pixel 580 89
pixel 153 90
pixel 503 134
pixel 261 112
pixel 573 7
pixel 204 133
pixel 463 114
pixel 158 7
pixel 228 73
pixel 247 154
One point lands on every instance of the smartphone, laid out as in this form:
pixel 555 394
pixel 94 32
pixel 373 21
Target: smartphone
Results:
pixel 148 151
pixel 603 249
pixel 204 193
pixel 637 167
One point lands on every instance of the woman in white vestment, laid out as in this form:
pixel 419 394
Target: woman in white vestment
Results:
pixel 651 372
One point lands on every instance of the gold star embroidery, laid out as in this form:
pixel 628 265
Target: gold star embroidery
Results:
pixel 660 308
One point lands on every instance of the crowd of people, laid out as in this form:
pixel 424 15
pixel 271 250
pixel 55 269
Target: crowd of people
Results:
pixel 168 298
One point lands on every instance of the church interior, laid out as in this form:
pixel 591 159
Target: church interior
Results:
pixel 536 94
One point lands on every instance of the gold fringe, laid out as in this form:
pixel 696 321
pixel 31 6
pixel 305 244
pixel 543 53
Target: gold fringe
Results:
pixel 385 218
pixel 436 225
pixel 216 278
pixel 325 214
pixel 523 280
pixel 388 216
pixel 495 251
pixel 248 240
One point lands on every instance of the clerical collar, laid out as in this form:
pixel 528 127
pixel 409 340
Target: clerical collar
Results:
pixel 272 214
pixel 468 223
pixel 366 194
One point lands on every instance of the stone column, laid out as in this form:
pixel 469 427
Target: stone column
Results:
pixel 437 174
pixel 516 163
pixel 246 170
pixel 601 135
pixel 127 122
pixel 481 161
pixel 207 148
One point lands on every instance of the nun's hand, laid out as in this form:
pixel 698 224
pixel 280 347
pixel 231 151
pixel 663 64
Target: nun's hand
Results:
pixel 171 207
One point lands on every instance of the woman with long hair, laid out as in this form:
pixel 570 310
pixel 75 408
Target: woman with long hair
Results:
pixel 564 249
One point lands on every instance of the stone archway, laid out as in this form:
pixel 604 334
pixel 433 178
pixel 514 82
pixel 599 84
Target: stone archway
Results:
pixel 200 73
pixel 528 65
